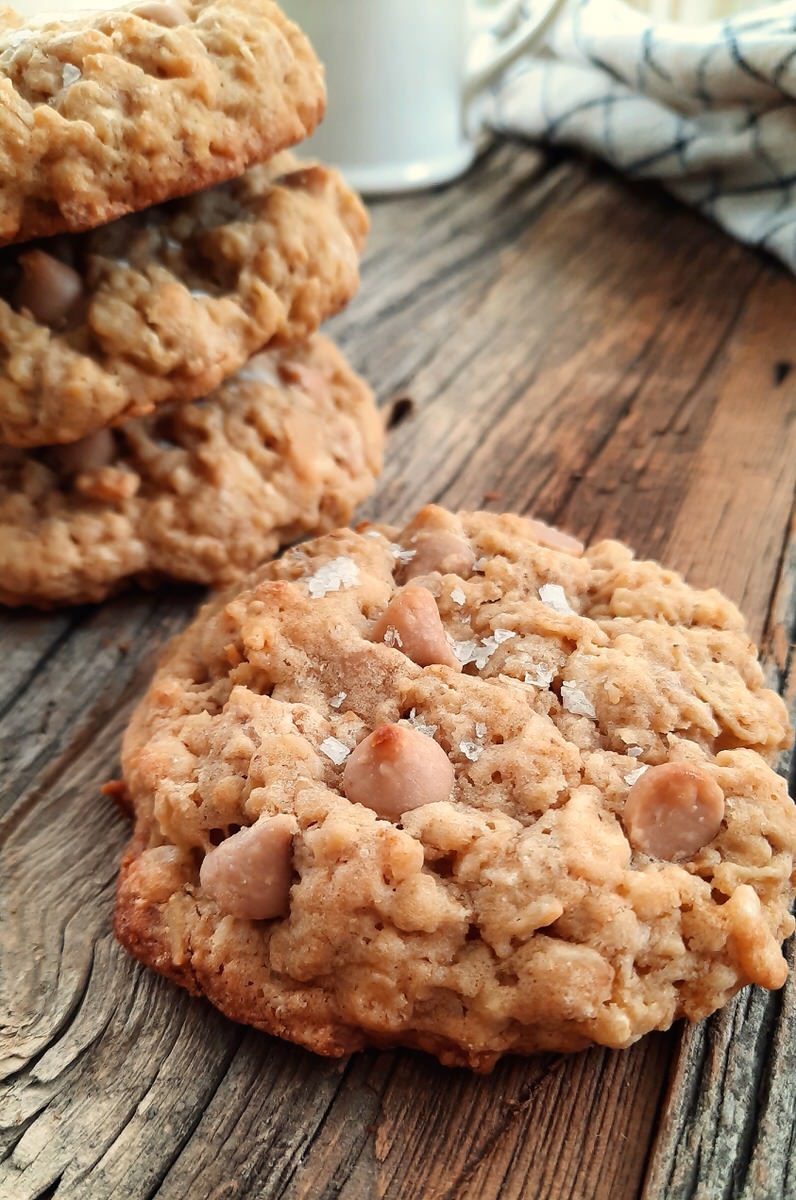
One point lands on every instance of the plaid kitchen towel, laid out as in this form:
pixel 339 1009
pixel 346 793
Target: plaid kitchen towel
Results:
pixel 708 110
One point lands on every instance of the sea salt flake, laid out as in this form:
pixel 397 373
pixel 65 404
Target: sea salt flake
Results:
pixel 471 750
pixel 554 596
pixel 458 596
pixel 471 651
pixel 332 576
pixel 576 702
pixel 337 701
pixel 634 751
pixel 257 370
pixel 465 651
pixel 480 730
pixel 480 563
pixel 632 776
pixel 374 533
pixel 490 644
pixel 541 677
pixel 392 637
pixel 401 555
pixel 417 723
pixel 70 74
pixel 334 749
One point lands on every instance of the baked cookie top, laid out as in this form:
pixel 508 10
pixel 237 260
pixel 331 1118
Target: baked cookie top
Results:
pixel 104 113
pixel 460 786
pixel 200 492
pixel 161 306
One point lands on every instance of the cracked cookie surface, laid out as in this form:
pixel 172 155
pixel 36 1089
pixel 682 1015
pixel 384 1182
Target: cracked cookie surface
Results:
pixel 297 860
pixel 200 492
pixel 163 305
pixel 109 112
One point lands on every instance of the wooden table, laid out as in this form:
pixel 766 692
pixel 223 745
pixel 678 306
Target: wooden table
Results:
pixel 589 353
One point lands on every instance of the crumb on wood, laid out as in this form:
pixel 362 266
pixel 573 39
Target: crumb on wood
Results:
pixel 492 495
pixel 116 790
pixel 399 409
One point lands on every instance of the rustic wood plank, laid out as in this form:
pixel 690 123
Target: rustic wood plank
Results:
pixel 573 345
pixel 728 1127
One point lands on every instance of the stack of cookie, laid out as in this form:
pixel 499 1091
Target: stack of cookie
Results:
pixel 166 405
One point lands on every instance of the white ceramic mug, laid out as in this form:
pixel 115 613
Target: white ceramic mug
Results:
pixel 403 76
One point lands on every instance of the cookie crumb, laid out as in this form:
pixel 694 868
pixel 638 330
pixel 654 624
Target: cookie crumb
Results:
pixel 116 790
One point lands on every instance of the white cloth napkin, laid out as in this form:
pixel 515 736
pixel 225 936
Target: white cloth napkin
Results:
pixel 709 110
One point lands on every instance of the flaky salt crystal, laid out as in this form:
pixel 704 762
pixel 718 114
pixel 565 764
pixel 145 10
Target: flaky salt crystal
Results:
pixel 480 729
pixel 334 749
pixel 337 701
pixel 70 74
pixel 401 555
pixel 471 651
pixel 465 651
pixel 458 596
pixel 417 723
pixel 332 576
pixel 576 702
pixel 634 751
pixel 541 677
pixel 490 644
pixel 632 776
pixel 554 596
pixel 471 750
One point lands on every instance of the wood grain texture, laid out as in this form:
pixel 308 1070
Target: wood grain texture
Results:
pixel 592 354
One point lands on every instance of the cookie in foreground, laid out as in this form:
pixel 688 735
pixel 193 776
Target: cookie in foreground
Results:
pixel 162 306
pixel 108 112
pixel 461 786
pixel 200 492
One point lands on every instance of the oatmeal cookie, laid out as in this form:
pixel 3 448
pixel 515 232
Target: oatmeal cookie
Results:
pixel 199 492
pixel 462 786
pixel 104 113
pixel 163 305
